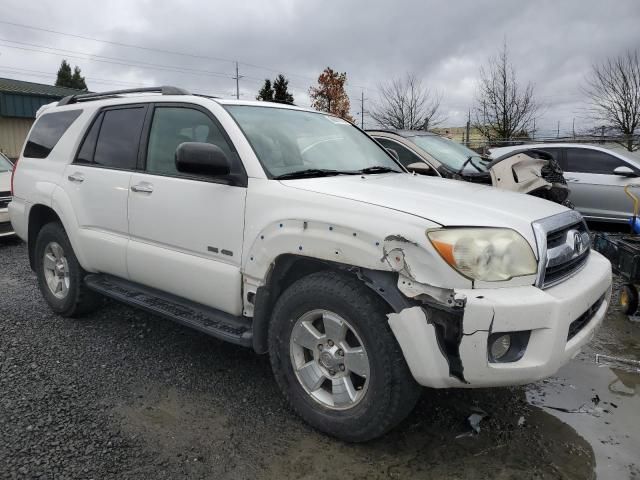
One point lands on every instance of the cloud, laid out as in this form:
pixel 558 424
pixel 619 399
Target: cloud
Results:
pixel 552 44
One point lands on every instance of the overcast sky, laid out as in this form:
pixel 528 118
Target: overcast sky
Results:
pixel 552 44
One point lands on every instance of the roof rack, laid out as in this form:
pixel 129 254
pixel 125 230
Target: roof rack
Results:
pixel 86 97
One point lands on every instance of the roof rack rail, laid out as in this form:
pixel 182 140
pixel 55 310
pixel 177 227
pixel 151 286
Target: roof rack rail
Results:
pixel 86 97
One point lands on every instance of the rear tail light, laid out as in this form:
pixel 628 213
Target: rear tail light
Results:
pixel 13 173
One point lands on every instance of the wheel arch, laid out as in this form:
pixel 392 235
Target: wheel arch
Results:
pixel 288 268
pixel 60 210
pixel 39 216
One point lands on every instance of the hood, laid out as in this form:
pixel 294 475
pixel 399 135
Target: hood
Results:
pixel 447 202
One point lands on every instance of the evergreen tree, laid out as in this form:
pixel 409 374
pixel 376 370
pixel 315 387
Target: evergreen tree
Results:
pixel 266 92
pixel 281 93
pixel 78 80
pixel 64 75
pixel 70 80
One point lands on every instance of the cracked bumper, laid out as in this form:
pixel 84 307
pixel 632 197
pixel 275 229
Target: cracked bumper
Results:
pixel 546 313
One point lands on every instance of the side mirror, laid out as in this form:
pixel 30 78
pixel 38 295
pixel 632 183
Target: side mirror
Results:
pixel 393 153
pixel 202 159
pixel 421 168
pixel 624 172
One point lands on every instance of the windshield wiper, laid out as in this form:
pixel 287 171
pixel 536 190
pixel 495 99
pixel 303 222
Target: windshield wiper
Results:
pixel 377 169
pixel 467 162
pixel 310 172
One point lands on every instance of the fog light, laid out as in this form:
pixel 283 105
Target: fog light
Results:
pixel 500 346
pixel 508 347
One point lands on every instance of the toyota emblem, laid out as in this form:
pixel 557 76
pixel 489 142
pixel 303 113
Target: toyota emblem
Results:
pixel 578 244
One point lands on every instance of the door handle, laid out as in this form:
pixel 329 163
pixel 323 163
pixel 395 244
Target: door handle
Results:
pixel 143 187
pixel 76 177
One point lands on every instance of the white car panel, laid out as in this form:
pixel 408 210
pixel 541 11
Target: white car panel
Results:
pixel 99 198
pixel 171 244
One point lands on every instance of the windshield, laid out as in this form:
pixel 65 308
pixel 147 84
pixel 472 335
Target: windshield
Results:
pixel 454 155
pixel 289 141
pixel 5 164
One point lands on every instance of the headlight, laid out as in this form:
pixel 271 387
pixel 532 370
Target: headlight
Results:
pixel 489 254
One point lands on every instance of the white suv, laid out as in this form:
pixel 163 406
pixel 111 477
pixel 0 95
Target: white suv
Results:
pixel 292 232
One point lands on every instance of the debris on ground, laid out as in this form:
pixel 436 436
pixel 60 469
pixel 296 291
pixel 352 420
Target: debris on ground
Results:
pixel 617 362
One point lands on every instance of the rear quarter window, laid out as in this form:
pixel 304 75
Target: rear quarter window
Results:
pixel 47 131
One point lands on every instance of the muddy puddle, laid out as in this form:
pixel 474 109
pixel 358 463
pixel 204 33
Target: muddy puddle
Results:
pixel 602 404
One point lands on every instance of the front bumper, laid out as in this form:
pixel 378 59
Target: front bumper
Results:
pixel 547 313
pixel 5 224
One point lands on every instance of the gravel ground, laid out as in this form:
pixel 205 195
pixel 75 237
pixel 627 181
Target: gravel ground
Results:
pixel 122 394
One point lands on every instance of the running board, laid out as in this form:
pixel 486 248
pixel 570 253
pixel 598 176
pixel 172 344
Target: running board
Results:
pixel 200 317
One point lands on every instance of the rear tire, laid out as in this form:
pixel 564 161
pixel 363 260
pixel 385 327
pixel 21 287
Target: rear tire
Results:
pixel 629 299
pixel 60 276
pixel 350 379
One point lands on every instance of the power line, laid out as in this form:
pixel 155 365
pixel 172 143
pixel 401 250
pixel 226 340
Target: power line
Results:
pixel 113 60
pixel 119 44
pixel 38 73
pixel 170 52
pixel 42 74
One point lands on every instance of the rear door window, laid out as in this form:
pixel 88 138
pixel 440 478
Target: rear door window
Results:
pixel 85 155
pixel 584 160
pixel 406 156
pixel 47 131
pixel 119 138
pixel 556 153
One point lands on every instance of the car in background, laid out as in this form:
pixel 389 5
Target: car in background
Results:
pixel 426 153
pixel 596 177
pixel 6 167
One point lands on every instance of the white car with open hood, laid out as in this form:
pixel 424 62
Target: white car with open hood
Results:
pixel 292 232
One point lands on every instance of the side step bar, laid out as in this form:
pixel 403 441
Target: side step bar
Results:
pixel 200 317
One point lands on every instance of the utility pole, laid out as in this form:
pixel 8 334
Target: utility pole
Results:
pixel 237 79
pixel 558 132
pixel 468 128
pixel 533 135
pixel 573 128
pixel 362 110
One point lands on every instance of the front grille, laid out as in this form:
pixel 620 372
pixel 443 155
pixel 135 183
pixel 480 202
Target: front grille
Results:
pixel 564 257
pixel 582 321
pixel 5 227
pixel 564 247
pixel 553 275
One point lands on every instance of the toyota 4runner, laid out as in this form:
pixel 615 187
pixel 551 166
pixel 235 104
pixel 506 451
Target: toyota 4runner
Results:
pixel 292 232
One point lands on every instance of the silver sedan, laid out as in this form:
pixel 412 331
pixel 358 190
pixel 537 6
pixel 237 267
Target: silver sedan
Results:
pixel 596 177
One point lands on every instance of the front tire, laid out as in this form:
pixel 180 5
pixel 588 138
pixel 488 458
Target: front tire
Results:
pixel 60 276
pixel 336 360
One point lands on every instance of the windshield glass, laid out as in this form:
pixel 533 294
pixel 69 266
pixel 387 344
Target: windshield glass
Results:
pixel 5 164
pixel 453 155
pixel 288 141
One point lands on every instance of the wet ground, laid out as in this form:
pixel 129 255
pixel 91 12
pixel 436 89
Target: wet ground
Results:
pixel 121 394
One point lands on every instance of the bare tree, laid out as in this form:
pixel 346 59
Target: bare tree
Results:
pixel 504 109
pixel 406 105
pixel 614 90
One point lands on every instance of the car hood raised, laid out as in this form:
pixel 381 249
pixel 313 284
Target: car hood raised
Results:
pixel 447 202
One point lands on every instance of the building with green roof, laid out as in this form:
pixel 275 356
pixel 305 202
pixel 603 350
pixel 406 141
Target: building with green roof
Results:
pixel 19 102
